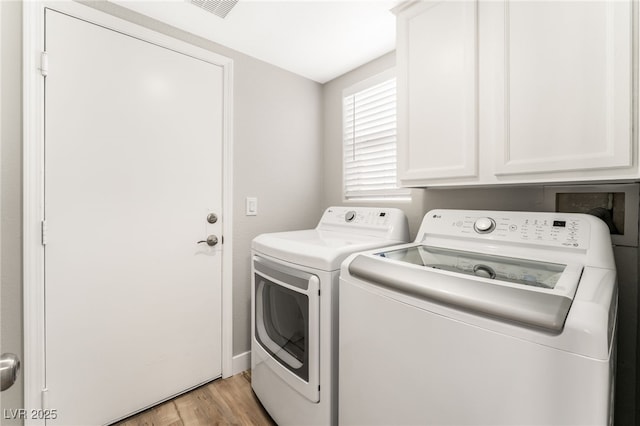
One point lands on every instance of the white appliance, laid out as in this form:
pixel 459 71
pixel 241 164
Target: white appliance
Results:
pixel 488 318
pixel 294 309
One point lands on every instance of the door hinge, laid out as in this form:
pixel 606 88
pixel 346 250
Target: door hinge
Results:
pixel 45 398
pixel 44 64
pixel 43 230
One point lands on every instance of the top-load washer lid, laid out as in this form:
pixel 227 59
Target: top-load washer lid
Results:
pixel 340 232
pixel 530 292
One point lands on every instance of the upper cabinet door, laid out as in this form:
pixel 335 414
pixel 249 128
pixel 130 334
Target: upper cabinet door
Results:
pixel 564 86
pixel 437 91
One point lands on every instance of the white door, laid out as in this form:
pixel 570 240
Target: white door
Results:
pixel 133 139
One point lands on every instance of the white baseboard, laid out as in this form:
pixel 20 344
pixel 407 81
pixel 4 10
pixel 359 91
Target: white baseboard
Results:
pixel 241 362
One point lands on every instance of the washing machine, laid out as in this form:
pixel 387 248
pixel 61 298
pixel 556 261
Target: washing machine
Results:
pixel 294 307
pixel 488 318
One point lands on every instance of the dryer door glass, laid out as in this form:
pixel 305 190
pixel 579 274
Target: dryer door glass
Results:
pixel 282 325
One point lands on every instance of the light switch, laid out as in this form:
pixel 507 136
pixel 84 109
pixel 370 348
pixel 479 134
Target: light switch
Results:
pixel 251 206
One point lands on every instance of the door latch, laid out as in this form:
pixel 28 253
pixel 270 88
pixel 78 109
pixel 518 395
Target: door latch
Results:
pixel 9 369
pixel 211 240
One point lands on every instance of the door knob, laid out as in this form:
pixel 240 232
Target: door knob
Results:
pixel 211 240
pixel 212 218
pixel 9 368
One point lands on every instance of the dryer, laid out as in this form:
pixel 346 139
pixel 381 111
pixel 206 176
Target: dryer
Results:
pixel 489 317
pixel 294 309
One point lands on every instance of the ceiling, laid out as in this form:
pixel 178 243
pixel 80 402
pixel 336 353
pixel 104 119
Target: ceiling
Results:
pixel 317 39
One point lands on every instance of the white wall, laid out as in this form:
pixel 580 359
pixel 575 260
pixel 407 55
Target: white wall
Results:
pixel 278 160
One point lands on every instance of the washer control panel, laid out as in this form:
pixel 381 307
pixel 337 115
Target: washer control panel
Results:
pixel 554 229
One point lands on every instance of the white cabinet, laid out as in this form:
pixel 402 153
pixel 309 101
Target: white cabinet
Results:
pixel 565 82
pixel 438 84
pixel 515 92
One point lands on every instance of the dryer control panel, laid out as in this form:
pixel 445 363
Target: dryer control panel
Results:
pixel 389 223
pixel 553 229
pixel 346 216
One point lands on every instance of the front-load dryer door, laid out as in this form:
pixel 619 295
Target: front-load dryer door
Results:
pixel 286 325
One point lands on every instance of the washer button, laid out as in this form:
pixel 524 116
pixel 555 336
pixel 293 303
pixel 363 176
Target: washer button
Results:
pixel 484 225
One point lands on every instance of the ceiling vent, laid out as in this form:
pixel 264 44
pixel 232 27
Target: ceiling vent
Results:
pixel 218 7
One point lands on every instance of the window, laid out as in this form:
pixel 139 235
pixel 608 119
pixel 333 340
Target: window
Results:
pixel 369 141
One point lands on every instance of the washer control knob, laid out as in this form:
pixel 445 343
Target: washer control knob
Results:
pixel 349 216
pixel 484 225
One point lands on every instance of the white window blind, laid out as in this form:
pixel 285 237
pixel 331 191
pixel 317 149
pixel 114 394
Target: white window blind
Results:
pixel 370 143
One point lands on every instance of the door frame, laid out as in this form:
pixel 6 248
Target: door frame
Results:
pixel 33 185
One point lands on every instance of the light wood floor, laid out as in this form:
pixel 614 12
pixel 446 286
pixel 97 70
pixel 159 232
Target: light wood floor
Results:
pixel 221 402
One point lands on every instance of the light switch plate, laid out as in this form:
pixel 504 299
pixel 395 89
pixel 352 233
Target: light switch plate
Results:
pixel 251 206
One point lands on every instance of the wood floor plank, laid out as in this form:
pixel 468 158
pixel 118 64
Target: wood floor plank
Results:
pixel 234 394
pixel 201 407
pixel 164 414
pixel 221 402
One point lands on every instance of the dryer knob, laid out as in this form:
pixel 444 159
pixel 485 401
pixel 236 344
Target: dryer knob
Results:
pixel 350 216
pixel 484 225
